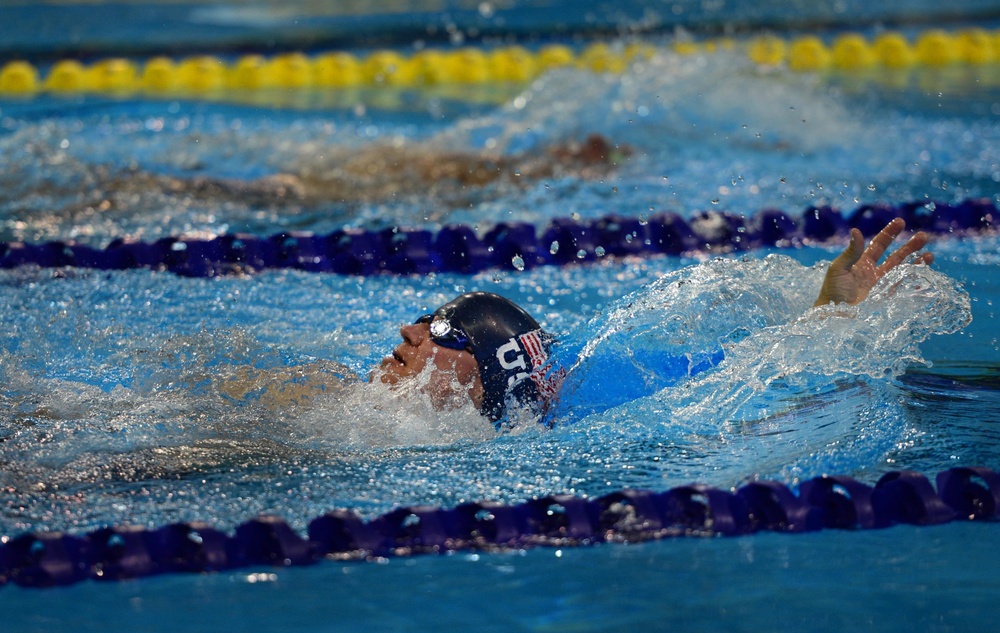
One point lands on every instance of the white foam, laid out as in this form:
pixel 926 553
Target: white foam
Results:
pixel 371 414
pixel 878 339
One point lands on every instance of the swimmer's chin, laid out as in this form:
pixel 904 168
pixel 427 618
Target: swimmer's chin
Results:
pixel 412 386
pixel 384 372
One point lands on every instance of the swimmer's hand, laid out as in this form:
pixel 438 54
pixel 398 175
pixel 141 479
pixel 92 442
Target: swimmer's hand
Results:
pixel 855 272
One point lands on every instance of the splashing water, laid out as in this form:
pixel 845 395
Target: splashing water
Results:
pixel 202 415
pixel 878 338
pixel 367 415
pixel 148 169
pixel 800 390
pixel 112 381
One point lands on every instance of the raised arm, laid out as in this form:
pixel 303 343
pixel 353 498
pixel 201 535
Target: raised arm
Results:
pixel 856 271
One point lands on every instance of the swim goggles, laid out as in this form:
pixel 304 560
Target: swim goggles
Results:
pixel 443 333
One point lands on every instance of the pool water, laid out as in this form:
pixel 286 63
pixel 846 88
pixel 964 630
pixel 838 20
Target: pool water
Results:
pixel 886 580
pixel 139 397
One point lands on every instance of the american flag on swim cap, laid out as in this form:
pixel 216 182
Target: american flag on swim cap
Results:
pixel 533 344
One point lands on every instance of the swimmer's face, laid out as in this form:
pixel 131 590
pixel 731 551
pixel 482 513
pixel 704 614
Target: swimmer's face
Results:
pixel 454 374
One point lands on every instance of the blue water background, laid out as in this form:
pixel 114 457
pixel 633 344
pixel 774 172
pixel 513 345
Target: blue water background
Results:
pixel 107 376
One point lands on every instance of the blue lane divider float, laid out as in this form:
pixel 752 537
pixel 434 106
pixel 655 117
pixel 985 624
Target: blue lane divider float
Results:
pixel 512 245
pixel 47 559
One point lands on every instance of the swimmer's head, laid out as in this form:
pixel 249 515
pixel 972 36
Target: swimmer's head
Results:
pixel 509 346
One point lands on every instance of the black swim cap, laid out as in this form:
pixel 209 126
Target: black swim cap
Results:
pixel 510 348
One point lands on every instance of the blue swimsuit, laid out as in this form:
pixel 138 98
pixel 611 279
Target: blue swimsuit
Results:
pixel 612 375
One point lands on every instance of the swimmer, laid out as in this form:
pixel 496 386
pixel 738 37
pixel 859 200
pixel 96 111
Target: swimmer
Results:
pixel 483 348
pixel 436 178
pixel 380 172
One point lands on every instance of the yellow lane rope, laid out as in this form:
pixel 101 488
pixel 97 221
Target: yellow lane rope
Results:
pixel 208 75
pixel 850 51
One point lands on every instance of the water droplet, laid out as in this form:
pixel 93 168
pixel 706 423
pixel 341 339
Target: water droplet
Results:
pixel 554 247
pixel 599 251
pixel 580 254
pixel 518 262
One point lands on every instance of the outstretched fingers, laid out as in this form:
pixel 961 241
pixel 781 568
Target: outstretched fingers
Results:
pixel 881 242
pixel 911 246
pixel 856 270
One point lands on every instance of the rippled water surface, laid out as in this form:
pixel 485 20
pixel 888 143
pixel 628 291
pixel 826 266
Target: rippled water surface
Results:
pixel 144 398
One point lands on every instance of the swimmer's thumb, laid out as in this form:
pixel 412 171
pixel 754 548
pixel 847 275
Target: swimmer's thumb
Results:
pixel 852 253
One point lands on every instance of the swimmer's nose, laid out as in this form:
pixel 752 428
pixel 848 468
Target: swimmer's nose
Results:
pixel 414 333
